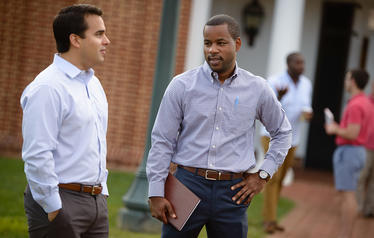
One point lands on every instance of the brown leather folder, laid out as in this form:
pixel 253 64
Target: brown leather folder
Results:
pixel 183 200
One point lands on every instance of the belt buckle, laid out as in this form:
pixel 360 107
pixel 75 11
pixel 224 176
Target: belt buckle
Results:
pixel 208 178
pixel 93 189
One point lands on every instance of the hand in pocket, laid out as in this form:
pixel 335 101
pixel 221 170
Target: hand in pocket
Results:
pixel 52 215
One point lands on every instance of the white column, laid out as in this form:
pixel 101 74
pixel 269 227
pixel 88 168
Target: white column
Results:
pixel 200 14
pixel 285 38
pixel 286 33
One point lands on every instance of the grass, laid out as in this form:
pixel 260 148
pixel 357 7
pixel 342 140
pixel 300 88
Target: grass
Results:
pixel 13 222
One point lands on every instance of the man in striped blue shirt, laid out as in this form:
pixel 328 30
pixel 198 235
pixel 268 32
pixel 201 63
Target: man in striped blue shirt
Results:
pixel 206 125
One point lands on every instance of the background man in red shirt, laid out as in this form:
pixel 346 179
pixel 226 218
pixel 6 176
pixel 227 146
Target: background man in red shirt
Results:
pixel 349 156
pixel 365 187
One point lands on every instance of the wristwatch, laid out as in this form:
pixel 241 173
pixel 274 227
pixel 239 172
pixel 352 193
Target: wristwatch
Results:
pixel 263 175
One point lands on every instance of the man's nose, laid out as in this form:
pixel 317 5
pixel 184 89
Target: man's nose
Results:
pixel 106 40
pixel 213 49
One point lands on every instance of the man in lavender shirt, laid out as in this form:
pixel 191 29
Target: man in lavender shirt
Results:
pixel 206 125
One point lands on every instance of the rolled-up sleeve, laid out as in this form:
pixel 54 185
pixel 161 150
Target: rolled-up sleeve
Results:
pixel 164 138
pixel 273 117
pixel 41 119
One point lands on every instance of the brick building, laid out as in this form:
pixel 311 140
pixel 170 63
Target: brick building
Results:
pixel 333 36
pixel 27 47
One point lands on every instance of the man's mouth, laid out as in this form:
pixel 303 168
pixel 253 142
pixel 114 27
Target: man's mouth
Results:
pixel 214 59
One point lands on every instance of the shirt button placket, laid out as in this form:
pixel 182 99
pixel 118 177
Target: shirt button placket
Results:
pixel 216 133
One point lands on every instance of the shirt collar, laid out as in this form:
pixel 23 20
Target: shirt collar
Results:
pixel 71 70
pixel 361 94
pixel 290 80
pixel 211 75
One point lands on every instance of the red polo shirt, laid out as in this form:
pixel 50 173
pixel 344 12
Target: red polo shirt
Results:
pixel 356 112
pixel 370 134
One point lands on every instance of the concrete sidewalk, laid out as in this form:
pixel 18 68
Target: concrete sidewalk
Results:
pixel 316 212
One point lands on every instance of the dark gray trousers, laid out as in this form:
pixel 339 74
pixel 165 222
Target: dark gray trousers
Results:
pixel 82 216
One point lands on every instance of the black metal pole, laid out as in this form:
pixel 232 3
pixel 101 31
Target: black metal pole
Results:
pixel 135 215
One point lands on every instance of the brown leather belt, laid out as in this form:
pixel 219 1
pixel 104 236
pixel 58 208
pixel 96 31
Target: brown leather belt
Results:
pixel 91 189
pixel 213 174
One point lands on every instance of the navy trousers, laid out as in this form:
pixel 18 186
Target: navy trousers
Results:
pixel 217 211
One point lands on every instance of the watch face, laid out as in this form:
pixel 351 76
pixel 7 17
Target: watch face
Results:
pixel 263 174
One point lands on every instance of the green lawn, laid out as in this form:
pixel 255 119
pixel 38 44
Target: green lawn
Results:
pixel 13 222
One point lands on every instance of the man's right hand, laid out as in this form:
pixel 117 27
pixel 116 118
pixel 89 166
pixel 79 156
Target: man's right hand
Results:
pixel 281 92
pixel 160 207
pixel 52 215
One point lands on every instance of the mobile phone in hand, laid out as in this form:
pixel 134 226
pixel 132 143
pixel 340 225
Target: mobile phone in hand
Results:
pixel 329 117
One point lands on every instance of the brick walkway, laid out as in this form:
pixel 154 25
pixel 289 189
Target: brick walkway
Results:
pixel 316 213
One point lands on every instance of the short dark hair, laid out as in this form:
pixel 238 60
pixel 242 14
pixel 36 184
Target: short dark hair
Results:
pixel 232 24
pixel 71 20
pixel 291 56
pixel 360 76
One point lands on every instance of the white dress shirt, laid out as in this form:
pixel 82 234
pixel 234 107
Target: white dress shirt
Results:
pixel 294 102
pixel 65 115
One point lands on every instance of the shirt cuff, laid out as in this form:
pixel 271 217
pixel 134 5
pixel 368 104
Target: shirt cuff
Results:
pixel 156 189
pixel 105 189
pixel 269 167
pixel 51 203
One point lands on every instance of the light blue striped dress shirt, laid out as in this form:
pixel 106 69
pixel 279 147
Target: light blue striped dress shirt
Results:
pixel 65 114
pixel 205 124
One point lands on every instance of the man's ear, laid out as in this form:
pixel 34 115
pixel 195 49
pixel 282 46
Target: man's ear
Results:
pixel 353 81
pixel 238 44
pixel 75 40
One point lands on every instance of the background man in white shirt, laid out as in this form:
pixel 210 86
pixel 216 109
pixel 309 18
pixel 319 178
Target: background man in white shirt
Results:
pixel 294 91
pixel 64 126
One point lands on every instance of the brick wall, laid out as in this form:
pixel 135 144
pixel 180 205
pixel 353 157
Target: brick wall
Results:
pixel 27 47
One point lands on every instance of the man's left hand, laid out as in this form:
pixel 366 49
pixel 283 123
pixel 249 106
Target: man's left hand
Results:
pixel 251 185
pixel 331 128
pixel 307 116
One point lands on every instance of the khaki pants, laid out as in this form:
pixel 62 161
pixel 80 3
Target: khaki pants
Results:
pixel 273 187
pixel 365 187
